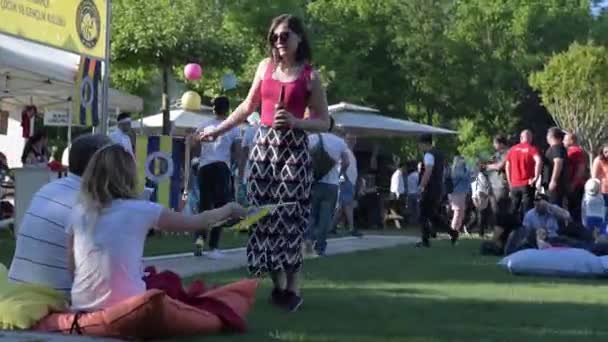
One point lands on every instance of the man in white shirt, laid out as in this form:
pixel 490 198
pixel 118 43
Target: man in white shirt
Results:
pixel 41 254
pixel 121 134
pixel 214 175
pixel 413 191
pixel 324 192
pixel 398 183
pixel 247 143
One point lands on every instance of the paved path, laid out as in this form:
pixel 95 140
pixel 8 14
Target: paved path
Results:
pixel 186 264
pixel 26 336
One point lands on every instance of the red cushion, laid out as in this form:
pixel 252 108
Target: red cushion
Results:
pixel 155 315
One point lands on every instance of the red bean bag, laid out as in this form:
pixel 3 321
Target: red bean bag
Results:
pixel 155 314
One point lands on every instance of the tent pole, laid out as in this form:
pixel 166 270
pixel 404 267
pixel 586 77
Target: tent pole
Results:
pixel 103 128
pixel 69 126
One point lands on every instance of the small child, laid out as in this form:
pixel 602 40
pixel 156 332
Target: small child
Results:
pixel 594 209
pixel 108 229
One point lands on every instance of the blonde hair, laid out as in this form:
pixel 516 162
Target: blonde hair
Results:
pixel 110 174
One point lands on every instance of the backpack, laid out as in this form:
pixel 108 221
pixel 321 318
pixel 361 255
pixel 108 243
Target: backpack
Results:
pixel 322 162
pixel 481 191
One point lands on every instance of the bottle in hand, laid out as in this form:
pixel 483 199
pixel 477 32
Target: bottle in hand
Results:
pixel 279 106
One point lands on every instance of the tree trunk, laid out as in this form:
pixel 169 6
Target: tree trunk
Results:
pixel 164 84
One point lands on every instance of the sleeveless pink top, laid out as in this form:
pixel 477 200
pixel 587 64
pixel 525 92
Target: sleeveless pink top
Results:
pixel 295 97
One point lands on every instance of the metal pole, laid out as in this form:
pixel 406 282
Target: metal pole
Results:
pixel 103 125
pixel 69 125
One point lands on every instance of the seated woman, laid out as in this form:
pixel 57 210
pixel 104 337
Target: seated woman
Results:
pixel 106 233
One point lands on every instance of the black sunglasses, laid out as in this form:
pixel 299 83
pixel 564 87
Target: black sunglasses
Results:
pixel 283 37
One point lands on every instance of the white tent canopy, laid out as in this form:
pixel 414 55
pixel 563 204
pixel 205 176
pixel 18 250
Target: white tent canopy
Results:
pixel 35 74
pixel 365 121
pixel 181 120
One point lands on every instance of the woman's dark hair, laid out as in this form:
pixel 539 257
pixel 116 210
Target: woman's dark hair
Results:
pixel 303 54
pixel 601 153
pixel 29 145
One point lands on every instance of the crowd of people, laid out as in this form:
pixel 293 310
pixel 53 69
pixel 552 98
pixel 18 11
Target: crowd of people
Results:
pixel 84 234
pixel 528 198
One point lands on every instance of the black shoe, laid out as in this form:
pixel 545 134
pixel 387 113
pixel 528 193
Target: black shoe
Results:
pixel 356 233
pixel 278 297
pixel 292 301
pixel 423 244
pixel 454 235
pixel 434 235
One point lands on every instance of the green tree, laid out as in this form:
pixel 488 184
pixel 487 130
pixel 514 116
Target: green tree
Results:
pixel 506 41
pixel 352 52
pixel 473 144
pixel 574 85
pixel 150 35
pixel 600 28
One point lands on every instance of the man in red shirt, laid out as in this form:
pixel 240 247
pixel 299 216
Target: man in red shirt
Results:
pixel 523 169
pixel 577 169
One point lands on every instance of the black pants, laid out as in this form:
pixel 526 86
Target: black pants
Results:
pixel 215 184
pixel 430 215
pixel 575 198
pixel 557 196
pixel 522 200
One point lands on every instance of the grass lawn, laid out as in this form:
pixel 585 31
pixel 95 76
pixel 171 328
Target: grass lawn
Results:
pixel 441 294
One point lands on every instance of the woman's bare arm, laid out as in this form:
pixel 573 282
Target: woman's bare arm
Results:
pixel 250 103
pixel 595 168
pixel 317 104
pixel 177 222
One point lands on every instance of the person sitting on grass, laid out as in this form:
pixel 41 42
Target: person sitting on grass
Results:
pixel 40 256
pixel 107 231
pixel 548 225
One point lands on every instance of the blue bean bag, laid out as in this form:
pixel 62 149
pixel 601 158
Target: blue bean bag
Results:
pixel 556 262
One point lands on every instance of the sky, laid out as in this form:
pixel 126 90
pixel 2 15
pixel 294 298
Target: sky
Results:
pixel 604 4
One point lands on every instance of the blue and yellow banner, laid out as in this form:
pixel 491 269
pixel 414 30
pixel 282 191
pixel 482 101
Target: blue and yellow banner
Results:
pixel 159 162
pixel 86 93
pixel 77 26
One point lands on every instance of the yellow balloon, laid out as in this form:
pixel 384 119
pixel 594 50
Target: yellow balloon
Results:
pixel 191 101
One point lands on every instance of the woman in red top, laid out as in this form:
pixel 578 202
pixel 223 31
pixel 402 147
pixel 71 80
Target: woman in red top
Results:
pixel 280 163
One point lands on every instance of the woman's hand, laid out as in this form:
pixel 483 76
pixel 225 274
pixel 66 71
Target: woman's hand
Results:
pixel 284 120
pixel 208 136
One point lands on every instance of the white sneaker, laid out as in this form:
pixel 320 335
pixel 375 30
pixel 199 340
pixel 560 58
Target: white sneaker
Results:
pixel 214 254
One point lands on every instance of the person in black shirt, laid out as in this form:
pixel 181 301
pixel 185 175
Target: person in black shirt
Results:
pixel 431 191
pixel 555 175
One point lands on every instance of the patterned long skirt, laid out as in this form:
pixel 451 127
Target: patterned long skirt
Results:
pixel 280 173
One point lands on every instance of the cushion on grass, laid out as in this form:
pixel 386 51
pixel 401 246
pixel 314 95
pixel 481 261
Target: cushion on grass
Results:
pixel 562 262
pixel 154 315
pixel 22 305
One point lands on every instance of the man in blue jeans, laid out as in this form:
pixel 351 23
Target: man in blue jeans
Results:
pixel 324 192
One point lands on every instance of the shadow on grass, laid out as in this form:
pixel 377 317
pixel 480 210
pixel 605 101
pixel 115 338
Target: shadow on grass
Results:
pixel 441 263
pixel 441 294
pixel 369 315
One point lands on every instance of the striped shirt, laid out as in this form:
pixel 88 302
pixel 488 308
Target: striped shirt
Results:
pixel 41 250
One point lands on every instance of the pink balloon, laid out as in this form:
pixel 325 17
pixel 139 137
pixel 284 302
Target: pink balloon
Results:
pixel 193 72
